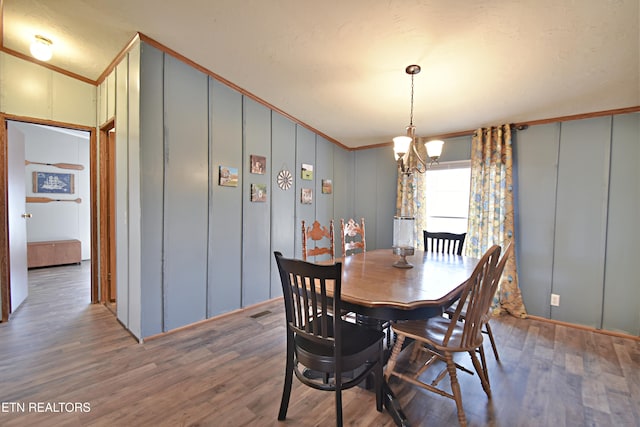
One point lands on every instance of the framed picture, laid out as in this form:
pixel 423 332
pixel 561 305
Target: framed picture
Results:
pixel 307 171
pixel 306 196
pixel 327 186
pixel 258 192
pixel 258 164
pixel 52 182
pixel 228 176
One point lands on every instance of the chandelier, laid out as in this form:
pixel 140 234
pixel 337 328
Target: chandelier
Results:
pixel 405 147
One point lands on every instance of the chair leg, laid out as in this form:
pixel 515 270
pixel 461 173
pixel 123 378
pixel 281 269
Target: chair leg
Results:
pixel 493 342
pixel 379 378
pixel 391 363
pixel 378 385
pixel 338 401
pixel 325 378
pixel 455 388
pixel 483 361
pixel 481 373
pixel 288 380
pixel 415 351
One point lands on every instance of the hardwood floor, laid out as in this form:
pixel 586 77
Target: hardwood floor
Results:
pixel 61 351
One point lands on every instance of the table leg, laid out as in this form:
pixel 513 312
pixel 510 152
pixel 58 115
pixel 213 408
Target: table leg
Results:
pixel 379 325
pixel 390 401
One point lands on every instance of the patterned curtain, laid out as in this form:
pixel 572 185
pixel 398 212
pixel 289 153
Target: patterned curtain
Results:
pixel 421 209
pixel 408 203
pixel 491 218
pixel 406 195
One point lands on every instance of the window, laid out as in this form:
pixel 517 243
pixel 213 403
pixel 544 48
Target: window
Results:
pixel 447 196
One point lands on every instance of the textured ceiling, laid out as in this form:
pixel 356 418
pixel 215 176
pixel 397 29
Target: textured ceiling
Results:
pixel 338 65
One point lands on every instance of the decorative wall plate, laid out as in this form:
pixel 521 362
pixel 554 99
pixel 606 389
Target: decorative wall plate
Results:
pixel 285 179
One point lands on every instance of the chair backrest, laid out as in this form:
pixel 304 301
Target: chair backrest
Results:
pixel 495 281
pixel 307 307
pixel 353 237
pixel 316 233
pixel 476 298
pixel 446 243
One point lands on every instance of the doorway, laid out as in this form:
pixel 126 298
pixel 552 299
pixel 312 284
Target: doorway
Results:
pixel 108 294
pixel 81 172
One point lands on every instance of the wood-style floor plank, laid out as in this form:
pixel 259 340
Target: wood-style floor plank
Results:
pixel 58 348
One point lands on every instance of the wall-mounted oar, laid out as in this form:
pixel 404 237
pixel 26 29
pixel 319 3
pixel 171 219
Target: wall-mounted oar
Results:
pixel 49 199
pixel 58 165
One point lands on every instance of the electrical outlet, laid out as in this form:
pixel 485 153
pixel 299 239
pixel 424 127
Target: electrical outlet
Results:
pixel 555 300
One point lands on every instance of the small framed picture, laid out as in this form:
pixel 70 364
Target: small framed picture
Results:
pixel 258 164
pixel 258 192
pixel 307 171
pixel 306 196
pixel 327 186
pixel 51 182
pixel 228 176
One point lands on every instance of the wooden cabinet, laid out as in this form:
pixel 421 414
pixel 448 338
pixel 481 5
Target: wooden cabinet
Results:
pixel 54 252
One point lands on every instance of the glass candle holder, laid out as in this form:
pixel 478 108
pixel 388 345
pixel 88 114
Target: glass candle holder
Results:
pixel 403 239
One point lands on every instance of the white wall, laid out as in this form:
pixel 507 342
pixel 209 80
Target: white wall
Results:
pixel 29 90
pixel 58 220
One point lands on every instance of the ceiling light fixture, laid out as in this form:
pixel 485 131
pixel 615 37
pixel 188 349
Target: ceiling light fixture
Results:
pixel 41 48
pixel 404 147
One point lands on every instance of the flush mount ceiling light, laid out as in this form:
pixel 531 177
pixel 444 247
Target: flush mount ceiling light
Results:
pixel 405 149
pixel 41 48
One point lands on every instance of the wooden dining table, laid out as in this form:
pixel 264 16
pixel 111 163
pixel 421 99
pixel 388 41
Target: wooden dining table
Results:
pixel 372 286
pixel 376 290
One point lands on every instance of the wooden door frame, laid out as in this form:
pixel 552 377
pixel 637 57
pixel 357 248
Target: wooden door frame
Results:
pixel 107 256
pixel 5 273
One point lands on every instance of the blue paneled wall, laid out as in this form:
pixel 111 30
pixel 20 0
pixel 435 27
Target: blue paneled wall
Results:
pixel 186 194
pixel 225 203
pixel 189 249
pixel 207 249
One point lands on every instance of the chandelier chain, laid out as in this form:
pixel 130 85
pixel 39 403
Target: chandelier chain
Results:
pixel 411 116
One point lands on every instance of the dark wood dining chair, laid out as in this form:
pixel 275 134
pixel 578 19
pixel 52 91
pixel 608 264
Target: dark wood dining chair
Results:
pixel 441 337
pixel 321 342
pixel 446 243
pixel 486 329
pixel 317 240
pixel 352 236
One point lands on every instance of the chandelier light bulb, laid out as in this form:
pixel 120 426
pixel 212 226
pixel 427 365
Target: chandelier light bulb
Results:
pixel 401 145
pixel 434 148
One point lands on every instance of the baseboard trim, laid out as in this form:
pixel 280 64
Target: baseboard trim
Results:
pixel 586 328
pixel 210 319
